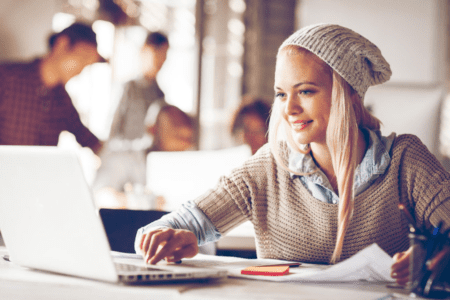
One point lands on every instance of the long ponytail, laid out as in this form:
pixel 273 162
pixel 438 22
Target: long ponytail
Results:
pixel 342 137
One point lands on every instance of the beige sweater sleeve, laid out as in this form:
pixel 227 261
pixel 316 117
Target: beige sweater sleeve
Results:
pixel 230 203
pixel 425 182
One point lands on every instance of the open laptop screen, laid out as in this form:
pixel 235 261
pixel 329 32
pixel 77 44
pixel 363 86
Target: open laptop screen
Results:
pixel 121 226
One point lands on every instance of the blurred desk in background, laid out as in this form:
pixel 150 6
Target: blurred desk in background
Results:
pixel 185 175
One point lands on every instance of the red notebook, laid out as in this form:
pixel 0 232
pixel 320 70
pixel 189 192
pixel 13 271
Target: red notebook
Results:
pixel 266 270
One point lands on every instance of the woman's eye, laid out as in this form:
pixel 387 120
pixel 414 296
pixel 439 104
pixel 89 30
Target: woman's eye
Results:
pixel 279 95
pixel 306 92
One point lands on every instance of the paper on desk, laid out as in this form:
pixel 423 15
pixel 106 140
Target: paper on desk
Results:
pixel 370 264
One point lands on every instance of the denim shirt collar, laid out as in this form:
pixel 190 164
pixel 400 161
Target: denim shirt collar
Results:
pixel 375 162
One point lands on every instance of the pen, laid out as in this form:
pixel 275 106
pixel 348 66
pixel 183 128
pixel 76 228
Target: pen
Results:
pixel 292 265
pixel 412 222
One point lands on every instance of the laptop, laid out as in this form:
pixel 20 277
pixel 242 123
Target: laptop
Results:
pixel 49 222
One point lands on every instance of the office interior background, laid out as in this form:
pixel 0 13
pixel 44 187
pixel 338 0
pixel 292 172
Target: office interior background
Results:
pixel 221 50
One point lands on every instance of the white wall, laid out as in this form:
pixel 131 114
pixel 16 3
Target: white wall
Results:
pixel 408 110
pixel 24 28
pixel 412 34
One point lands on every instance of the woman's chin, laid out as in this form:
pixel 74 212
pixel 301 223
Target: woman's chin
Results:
pixel 301 139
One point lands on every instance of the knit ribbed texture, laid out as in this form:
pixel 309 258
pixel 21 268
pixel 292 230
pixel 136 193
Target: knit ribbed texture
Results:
pixel 354 57
pixel 291 224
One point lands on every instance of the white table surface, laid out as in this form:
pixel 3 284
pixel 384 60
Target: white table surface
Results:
pixel 20 283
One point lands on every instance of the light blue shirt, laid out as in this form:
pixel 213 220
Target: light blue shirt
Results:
pixel 375 162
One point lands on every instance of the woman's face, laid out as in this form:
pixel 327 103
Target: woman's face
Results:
pixel 153 59
pixel 254 131
pixel 303 85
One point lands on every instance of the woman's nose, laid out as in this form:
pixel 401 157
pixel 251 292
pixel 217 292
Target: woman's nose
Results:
pixel 292 106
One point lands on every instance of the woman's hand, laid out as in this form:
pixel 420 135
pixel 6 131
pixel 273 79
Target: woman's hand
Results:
pixel 171 244
pixel 400 267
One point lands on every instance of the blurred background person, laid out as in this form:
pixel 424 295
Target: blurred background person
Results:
pixel 123 163
pixel 250 122
pixel 34 105
pixel 139 94
pixel 122 174
pixel 173 130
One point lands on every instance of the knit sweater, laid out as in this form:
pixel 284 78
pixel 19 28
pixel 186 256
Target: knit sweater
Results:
pixel 291 224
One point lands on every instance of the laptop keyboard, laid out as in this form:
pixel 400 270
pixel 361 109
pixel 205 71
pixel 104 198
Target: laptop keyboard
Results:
pixel 123 268
pixel 132 273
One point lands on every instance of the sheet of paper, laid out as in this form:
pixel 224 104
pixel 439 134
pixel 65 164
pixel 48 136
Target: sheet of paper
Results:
pixel 370 264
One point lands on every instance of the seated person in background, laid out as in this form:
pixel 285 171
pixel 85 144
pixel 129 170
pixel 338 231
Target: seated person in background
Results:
pixel 124 170
pixel 34 105
pixel 173 130
pixel 251 123
pixel 140 94
pixel 329 184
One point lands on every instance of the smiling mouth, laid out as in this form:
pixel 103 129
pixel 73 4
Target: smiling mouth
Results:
pixel 301 125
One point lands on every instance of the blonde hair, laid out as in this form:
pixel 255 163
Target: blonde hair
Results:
pixel 347 115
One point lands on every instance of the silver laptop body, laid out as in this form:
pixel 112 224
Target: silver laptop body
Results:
pixel 49 222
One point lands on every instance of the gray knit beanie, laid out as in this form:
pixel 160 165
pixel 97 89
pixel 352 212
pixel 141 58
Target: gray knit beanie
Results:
pixel 351 55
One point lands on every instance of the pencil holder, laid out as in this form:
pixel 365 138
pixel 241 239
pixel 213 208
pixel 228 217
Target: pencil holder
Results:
pixel 423 282
pixel 417 268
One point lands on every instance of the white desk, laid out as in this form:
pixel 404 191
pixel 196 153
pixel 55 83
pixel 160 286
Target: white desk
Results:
pixel 19 283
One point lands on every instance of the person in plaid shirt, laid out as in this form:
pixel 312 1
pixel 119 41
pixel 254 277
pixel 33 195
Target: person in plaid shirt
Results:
pixel 34 105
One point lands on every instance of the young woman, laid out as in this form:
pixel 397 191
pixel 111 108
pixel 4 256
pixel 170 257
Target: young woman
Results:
pixel 328 184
